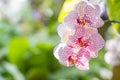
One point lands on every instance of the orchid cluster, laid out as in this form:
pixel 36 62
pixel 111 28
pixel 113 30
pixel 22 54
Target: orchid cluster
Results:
pixel 112 55
pixel 80 40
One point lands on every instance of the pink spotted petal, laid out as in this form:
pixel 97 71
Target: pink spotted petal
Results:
pixel 93 16
pixel 82 64
pixel 83 52
pixel 79 32
pixel 56 50
pixel 93 54
pixel 83 58
pixel 71 19
pixel 80 8
pixel 90 31
pixel 96 42
pixel 62 30
pixel 92 10
pixel 62 53
pixel 97 22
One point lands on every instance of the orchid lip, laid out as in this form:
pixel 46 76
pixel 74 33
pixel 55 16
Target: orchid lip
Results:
pixel 82 43
pixel 83 21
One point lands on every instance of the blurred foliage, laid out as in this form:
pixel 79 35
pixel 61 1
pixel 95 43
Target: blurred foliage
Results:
pixel 27 40
pixel 113 12
pixel 17 47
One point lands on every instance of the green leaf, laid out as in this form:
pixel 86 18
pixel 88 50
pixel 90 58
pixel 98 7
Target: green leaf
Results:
pixel 37 73
pixel 17 49
pixel 114 12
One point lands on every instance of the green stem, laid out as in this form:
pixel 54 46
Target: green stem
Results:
pixel 113 21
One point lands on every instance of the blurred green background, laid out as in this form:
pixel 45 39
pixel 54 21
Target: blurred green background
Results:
pixel 27 39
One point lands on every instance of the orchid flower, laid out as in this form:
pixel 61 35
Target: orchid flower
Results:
pixel 68 56
pixel 112 55
pixel 91 42
pixel 80 40
pixel 85 14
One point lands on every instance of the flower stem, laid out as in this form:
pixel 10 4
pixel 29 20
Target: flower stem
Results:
pixel 113 21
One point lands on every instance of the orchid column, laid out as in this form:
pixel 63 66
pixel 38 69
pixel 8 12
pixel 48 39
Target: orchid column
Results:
pixel 80 39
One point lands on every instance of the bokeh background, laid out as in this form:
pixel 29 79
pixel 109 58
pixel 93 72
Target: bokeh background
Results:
pixel 28 36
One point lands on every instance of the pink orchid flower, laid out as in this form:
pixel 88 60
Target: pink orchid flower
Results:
pixel 85 14
pixel 64 32
pixel 92 42
pixel 68 56
pixel 79 48
pixel 80 40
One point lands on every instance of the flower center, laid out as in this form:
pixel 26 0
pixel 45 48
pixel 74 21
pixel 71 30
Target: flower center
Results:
pixel 71 60
pixel 81 21
pixel 82 42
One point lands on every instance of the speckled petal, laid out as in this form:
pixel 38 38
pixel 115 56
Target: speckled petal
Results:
pixel 100 22
pixel 92 10
pixel 57 48
pixel 93 54
pixel 62 53
pixel 97 22
pixel 62 30
pixel 90 31
pixel 84 65
pixel 83 58
pixel 71 19
pixel 79 32
pixel 96 42
pixel 80 8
